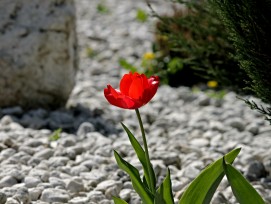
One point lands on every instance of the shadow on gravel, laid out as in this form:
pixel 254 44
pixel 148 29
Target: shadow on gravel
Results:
pixel 75 120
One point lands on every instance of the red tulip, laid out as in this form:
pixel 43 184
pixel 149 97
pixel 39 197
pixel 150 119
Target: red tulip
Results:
pixel 135 91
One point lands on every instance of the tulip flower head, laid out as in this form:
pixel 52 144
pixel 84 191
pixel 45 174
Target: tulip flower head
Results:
pixel 136 90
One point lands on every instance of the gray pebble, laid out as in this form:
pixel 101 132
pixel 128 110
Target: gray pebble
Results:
pixel 255 171
pixel 55 195
pixel 9 191
pixel 33 143
pixel 75 186
pixel 40 173
pixel 203 100
pixel 85 128
pixel 57 182
pixel 190 172
pixel 79 200
pixel 3 198
pixel 67 141
pixel 6 120
pixel 17 110
pixel 7 181
pixel 58 161
pixel 96 196
pixel 35 193
pixel 199 142
pixel 88 163
pixel 8 152
pixel 12 201
pixel 95 175
pixel 103 186
pixel 125 194
pixel 22 195
pixel 44 154
pixel 18 175
pixel 219 198
pixel 237 123
pixel 77 170
pixel 31 181
pixel 253 128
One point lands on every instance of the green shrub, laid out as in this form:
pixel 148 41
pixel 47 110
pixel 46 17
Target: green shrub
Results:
pixel 249 28
pixel 192 47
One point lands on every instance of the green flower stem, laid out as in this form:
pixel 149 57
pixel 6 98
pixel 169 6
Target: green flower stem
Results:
pixel 146 150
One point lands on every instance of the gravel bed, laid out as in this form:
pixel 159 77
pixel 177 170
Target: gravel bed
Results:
pixel 186 130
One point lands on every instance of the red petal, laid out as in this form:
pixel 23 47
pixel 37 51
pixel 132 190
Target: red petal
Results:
pixel 136 91
pixel 112 95
pixel 136 88
pixel 125 83
pixel 153 84
pixel 144 81
pixel 118 99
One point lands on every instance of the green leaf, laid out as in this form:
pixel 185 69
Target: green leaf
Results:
pixel 56 135
pixel 138 185
pixel 241 188
pixel 202 189
pixel 142 158
pixel 102 8
pixel 90 52
pixel 127 65
pixel 164 193
pixel 141 15
pixel 119 201
pixel 175 65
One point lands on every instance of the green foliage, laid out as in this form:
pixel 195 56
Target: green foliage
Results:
pixel 174 65
pixel 193 41
pixel 138 185
pixel 119 201
pixel 102 8
pixel 164 192
pixel 126 65
pixel 56 135
pixel 241 188
pixel 90 52
pixel 146 187
pixel 148 67
pixel 202 189
pixel 263 110
pixel 142 158
pixel 216 94
pixel 141 16
pixel 249 27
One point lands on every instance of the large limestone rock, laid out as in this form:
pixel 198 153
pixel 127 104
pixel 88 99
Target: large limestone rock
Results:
pixel 37 52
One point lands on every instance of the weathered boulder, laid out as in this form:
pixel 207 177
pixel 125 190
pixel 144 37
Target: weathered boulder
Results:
pixel 37 52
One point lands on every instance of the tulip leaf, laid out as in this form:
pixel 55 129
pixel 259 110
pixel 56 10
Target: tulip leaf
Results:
pixel 142 158
pixel 138 185
pixel 164 192
pixel 241 188
pixel 127 65
pixel 119 201
pixel 203 187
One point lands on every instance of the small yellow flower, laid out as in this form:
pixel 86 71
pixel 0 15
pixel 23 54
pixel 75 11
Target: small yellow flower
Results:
pixel 212 84
pixel 149 56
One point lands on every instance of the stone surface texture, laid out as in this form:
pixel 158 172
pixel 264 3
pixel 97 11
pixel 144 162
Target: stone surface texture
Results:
pixel 37 52
pixel 186 130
